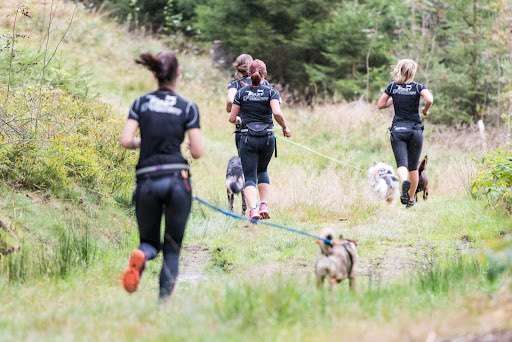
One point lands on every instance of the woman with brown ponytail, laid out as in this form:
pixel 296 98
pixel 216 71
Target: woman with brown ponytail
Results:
pixel 253 108
pixel 242 79
pixel 163 179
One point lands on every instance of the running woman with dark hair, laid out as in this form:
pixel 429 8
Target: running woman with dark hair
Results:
pixel 407 128
pixel 253 108
pixel 163 179
pixel 242 79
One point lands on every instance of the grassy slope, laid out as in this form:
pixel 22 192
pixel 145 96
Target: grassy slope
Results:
pixel 257 280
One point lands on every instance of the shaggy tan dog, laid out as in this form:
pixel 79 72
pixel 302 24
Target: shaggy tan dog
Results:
pixel 337 260
pixel 383 182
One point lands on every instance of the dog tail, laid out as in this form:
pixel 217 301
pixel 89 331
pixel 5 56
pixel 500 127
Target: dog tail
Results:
pixel 423 164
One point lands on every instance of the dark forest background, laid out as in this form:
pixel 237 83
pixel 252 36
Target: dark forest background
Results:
pixel 324 49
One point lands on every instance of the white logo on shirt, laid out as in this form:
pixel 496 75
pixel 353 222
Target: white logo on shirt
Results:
pixel 166 105
pixel 255 96
pixel 404 90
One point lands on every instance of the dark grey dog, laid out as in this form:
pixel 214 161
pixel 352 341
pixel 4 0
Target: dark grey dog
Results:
pixel 235 182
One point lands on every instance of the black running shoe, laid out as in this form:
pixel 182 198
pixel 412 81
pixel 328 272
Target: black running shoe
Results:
pixel 410 204
pixel 404 198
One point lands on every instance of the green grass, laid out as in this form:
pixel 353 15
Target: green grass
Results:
pixel 239 282
pixel 226 307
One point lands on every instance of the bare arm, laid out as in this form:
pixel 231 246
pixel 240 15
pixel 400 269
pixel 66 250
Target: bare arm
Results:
pixel 235 110
pixel 385 101
pixel 429 99
pixel 196 146
pixel 278 115
pixel 230 98
pixel 128 139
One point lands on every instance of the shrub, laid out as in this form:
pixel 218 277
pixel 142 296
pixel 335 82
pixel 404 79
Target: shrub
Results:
pixel 495 179
pixel 65 145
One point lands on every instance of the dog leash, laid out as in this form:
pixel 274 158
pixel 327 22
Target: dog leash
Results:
pixel 232 215
pixel 320 154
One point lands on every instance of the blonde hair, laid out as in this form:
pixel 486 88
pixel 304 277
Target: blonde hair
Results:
pixel 404 71
pixel 242 63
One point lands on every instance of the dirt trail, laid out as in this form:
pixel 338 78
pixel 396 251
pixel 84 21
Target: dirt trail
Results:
pixel 194 259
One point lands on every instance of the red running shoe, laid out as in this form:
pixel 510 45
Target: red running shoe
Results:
pixel 131 275
pixel 254 215
pixel 264 211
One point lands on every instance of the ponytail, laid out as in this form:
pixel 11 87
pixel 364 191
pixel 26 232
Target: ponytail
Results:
pixel 150 61
pixel 256 78
pixel 242 63
pixel 258 71
pixel 164 65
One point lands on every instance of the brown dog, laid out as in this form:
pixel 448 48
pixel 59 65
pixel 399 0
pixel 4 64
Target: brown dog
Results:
pixel 337 260
pixel 423 179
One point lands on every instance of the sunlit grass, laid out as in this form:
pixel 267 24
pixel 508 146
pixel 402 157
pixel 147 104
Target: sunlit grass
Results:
pixel 254 282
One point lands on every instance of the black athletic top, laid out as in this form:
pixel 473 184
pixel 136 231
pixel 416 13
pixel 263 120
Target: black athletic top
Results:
pixel 242 82
pixel 163 118
pixel 406 101
pixel 254 102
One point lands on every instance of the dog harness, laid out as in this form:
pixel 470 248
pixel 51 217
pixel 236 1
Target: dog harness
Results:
pixel 349 256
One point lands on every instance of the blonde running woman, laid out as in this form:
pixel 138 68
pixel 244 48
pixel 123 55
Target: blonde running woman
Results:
pixel 407 128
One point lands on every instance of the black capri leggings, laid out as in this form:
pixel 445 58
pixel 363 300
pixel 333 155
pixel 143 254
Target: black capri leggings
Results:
pixel 407 147
pixel 255 153
pixel 171 196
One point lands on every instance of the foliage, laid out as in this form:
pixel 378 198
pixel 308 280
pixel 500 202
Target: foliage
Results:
pixel 345 49
pixel 495 179
pixel 27 69
pixel 316 47
pixel 63 144
pixel 461 55
pixel 167 16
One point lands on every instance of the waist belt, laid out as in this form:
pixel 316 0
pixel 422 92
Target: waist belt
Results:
pixel 246 130
pixel 406 128
pixel 163 167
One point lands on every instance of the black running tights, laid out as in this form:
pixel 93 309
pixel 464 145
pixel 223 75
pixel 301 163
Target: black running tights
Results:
pixel 170 196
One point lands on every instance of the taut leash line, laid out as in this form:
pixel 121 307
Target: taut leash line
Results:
pixel 320 154
pixel 259 222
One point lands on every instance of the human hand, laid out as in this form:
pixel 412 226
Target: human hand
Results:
pixel 287 133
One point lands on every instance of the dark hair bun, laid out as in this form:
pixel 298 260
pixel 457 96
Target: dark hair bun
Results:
pixel 164 65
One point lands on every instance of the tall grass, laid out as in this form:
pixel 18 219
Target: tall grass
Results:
pixel 243 295
pixel 286 302
pixel 74 250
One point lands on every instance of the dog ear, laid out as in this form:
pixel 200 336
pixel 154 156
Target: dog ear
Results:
pixel 353 241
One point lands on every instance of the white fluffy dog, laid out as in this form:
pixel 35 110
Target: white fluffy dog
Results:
pixel 383 182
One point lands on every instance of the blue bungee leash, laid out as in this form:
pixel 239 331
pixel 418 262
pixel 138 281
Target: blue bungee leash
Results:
pixel 260 222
